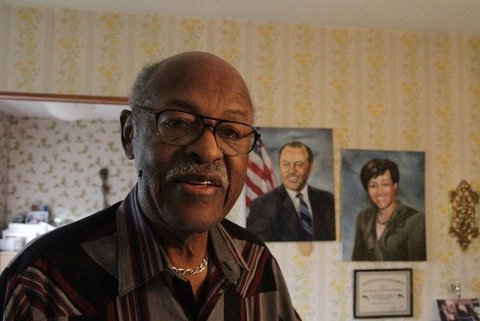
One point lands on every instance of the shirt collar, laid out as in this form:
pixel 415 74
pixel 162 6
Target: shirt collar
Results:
pixel 293 194
pixel 140 258
pixel 228 253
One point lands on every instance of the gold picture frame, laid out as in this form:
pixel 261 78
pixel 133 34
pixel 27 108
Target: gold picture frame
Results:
pixel 464 218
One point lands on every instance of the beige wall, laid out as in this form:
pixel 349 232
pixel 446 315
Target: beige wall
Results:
pixel 377 89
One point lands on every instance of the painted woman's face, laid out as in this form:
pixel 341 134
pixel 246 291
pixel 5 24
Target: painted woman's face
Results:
pixel 382 191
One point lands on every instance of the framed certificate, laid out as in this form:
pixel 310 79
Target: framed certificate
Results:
pixel 382 293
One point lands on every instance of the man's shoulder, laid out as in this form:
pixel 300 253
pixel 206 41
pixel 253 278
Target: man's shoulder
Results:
pixel 87 228
pixel 275 194
pixel 64 242
pixel 320 192
pixel 57 263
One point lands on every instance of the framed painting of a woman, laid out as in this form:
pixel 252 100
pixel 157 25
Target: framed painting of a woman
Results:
pixel 383 205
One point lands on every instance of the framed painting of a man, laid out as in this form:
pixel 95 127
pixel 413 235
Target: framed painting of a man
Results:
pixel 289 189
pixel 383 205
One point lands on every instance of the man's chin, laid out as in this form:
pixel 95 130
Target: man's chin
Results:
pixel 197 220
pixel 294 187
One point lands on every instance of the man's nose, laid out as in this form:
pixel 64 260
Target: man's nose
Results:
pixel 205 147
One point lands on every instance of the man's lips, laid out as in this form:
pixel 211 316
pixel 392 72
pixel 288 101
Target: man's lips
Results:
pixel 292 178
pixel 199 180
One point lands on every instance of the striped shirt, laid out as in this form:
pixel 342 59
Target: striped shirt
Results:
pixel 108 266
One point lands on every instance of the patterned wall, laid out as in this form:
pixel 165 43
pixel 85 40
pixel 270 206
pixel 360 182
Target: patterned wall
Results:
pixel 57 163
pixel 377 89
pixel 4 129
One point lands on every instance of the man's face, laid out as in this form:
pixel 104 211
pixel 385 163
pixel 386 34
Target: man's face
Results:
pixel 196 201
pixel 294 167
pixel 382 191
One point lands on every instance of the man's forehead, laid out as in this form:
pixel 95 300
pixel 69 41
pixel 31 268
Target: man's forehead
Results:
pixel 213 76
pixel 290 150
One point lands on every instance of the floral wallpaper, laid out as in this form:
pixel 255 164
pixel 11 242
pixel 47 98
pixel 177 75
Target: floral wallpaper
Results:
pixel 57 163
pixel 377 89
pixel 4 129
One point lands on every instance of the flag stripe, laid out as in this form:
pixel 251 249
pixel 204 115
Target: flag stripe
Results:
pixel 260 176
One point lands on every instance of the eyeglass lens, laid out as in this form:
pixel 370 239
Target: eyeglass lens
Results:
pixel 182 128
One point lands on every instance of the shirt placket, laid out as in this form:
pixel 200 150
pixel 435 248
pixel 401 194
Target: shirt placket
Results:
pixel 217 283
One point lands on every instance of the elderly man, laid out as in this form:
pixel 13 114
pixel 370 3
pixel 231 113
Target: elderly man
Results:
pixel 166 252
pixel 294 211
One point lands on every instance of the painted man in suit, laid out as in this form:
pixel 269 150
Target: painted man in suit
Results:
pixel 294 211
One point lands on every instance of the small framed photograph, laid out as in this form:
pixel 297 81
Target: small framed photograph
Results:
pixel 385 293
pixel 459 309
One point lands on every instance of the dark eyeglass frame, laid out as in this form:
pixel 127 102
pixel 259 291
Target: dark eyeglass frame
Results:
pixel 156 114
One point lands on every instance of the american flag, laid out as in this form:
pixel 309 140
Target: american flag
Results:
pixel 260 176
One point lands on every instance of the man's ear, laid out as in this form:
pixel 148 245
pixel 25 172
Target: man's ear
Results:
pixel 311 169
pixel 126 121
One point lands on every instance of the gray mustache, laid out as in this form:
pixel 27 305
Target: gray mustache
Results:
pixel 185 168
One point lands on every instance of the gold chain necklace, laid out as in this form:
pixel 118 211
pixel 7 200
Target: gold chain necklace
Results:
pixel 195 270
pixel 385 222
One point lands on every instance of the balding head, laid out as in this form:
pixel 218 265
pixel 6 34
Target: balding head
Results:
pixel 182 70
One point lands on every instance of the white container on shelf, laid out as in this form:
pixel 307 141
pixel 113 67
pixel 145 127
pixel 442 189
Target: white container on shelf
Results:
pixel 19 234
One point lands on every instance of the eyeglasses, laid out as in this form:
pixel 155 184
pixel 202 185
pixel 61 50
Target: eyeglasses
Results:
pixel 181 128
